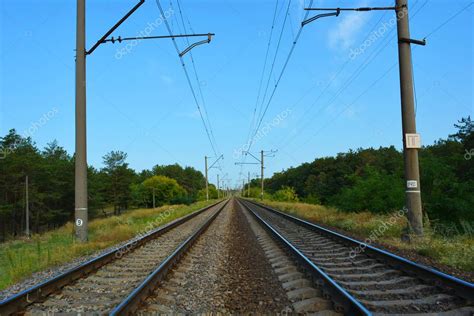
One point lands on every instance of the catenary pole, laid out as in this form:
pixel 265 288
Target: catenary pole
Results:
pixel 81 207
pixel 248 185
pixel 27 209
pixel 218 193
pixel 410 137
pixel 411 140
pixel 261 172
pixel 207 181
pixel 80 213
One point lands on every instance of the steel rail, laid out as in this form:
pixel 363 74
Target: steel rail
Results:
pixel 130 304
pixel 340 297
pixel 460 287
pixel 20 301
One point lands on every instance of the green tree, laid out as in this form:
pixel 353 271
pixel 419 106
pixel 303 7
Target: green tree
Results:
pixel 189 178
pixel 166 190
pixel 119 179
pixel 212 193
pixel 375 190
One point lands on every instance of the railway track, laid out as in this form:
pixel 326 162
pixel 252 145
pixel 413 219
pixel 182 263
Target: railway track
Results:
pixel 226 272
pixel 367 282
pixel 116 281
pixel 222 289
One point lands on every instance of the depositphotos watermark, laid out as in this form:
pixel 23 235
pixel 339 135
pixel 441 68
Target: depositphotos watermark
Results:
pixel 30 131
pixel 262 132
pixel 379 231
pixel 148 228
pixel 376 35
pixel 151 26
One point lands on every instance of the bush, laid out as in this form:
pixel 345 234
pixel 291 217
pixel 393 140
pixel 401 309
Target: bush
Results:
pixel 166 190
pixel 212 193
pixel 285 194
pixel 375 191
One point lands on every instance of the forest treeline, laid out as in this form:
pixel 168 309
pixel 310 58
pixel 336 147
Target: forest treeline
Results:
pixel 372 179
pixel 111 189
pixel 361 180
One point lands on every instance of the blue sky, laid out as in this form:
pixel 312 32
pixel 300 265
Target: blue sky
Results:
pixel 336 93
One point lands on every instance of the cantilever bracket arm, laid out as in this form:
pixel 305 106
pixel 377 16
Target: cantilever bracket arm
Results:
pixel 357 9
pixel 207 41
pixel 113 28
pixel 413 41
pixel 219 158
pixel 249 153
pixel 314 18
pixel 338 11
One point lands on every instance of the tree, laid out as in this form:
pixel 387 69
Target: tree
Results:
pixel 189 178
pixel 375 190
pixel 119 179
pixel 57 185
pixel 212 193
pixel 166 190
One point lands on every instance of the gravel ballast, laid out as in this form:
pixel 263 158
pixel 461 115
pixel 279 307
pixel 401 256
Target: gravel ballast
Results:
pixel 226 271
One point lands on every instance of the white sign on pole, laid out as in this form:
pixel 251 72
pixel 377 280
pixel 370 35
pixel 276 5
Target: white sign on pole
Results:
pixel 413 141
pixel 412 184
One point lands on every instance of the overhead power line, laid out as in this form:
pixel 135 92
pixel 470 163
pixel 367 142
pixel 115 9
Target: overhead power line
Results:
pixel 295 41
pixel 449 19
pixel 263 70
pixel 196 75
pixel 275 57
pixel 360 69
pixel 188 80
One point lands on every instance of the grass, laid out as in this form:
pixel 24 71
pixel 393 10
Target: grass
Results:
pixel 21 258
pixel 454 251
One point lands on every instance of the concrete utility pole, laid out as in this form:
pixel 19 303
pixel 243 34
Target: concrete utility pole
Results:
pixel 81 208
pixel 262 165
pixel 80 213
pixel 218 193
pixel 261 172
pixel 207 171
pixel 27 209
pixel 207 181
pixel 411 140
pixel 154 198
pixel 223 181
pixel 248 185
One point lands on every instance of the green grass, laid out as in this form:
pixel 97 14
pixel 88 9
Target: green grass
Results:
pixel 20 258
pixel 454 251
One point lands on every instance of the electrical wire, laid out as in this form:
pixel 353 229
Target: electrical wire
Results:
pixel 274 58
pixel 449 20
pixel 340 70
pixel 354 76
pixel 263 71
pixel 198 81
pixel 295 41
pixel 188 80
pixel 353 102
pixel 252 124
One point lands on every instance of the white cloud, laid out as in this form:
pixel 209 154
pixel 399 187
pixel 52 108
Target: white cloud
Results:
pixel 350 24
